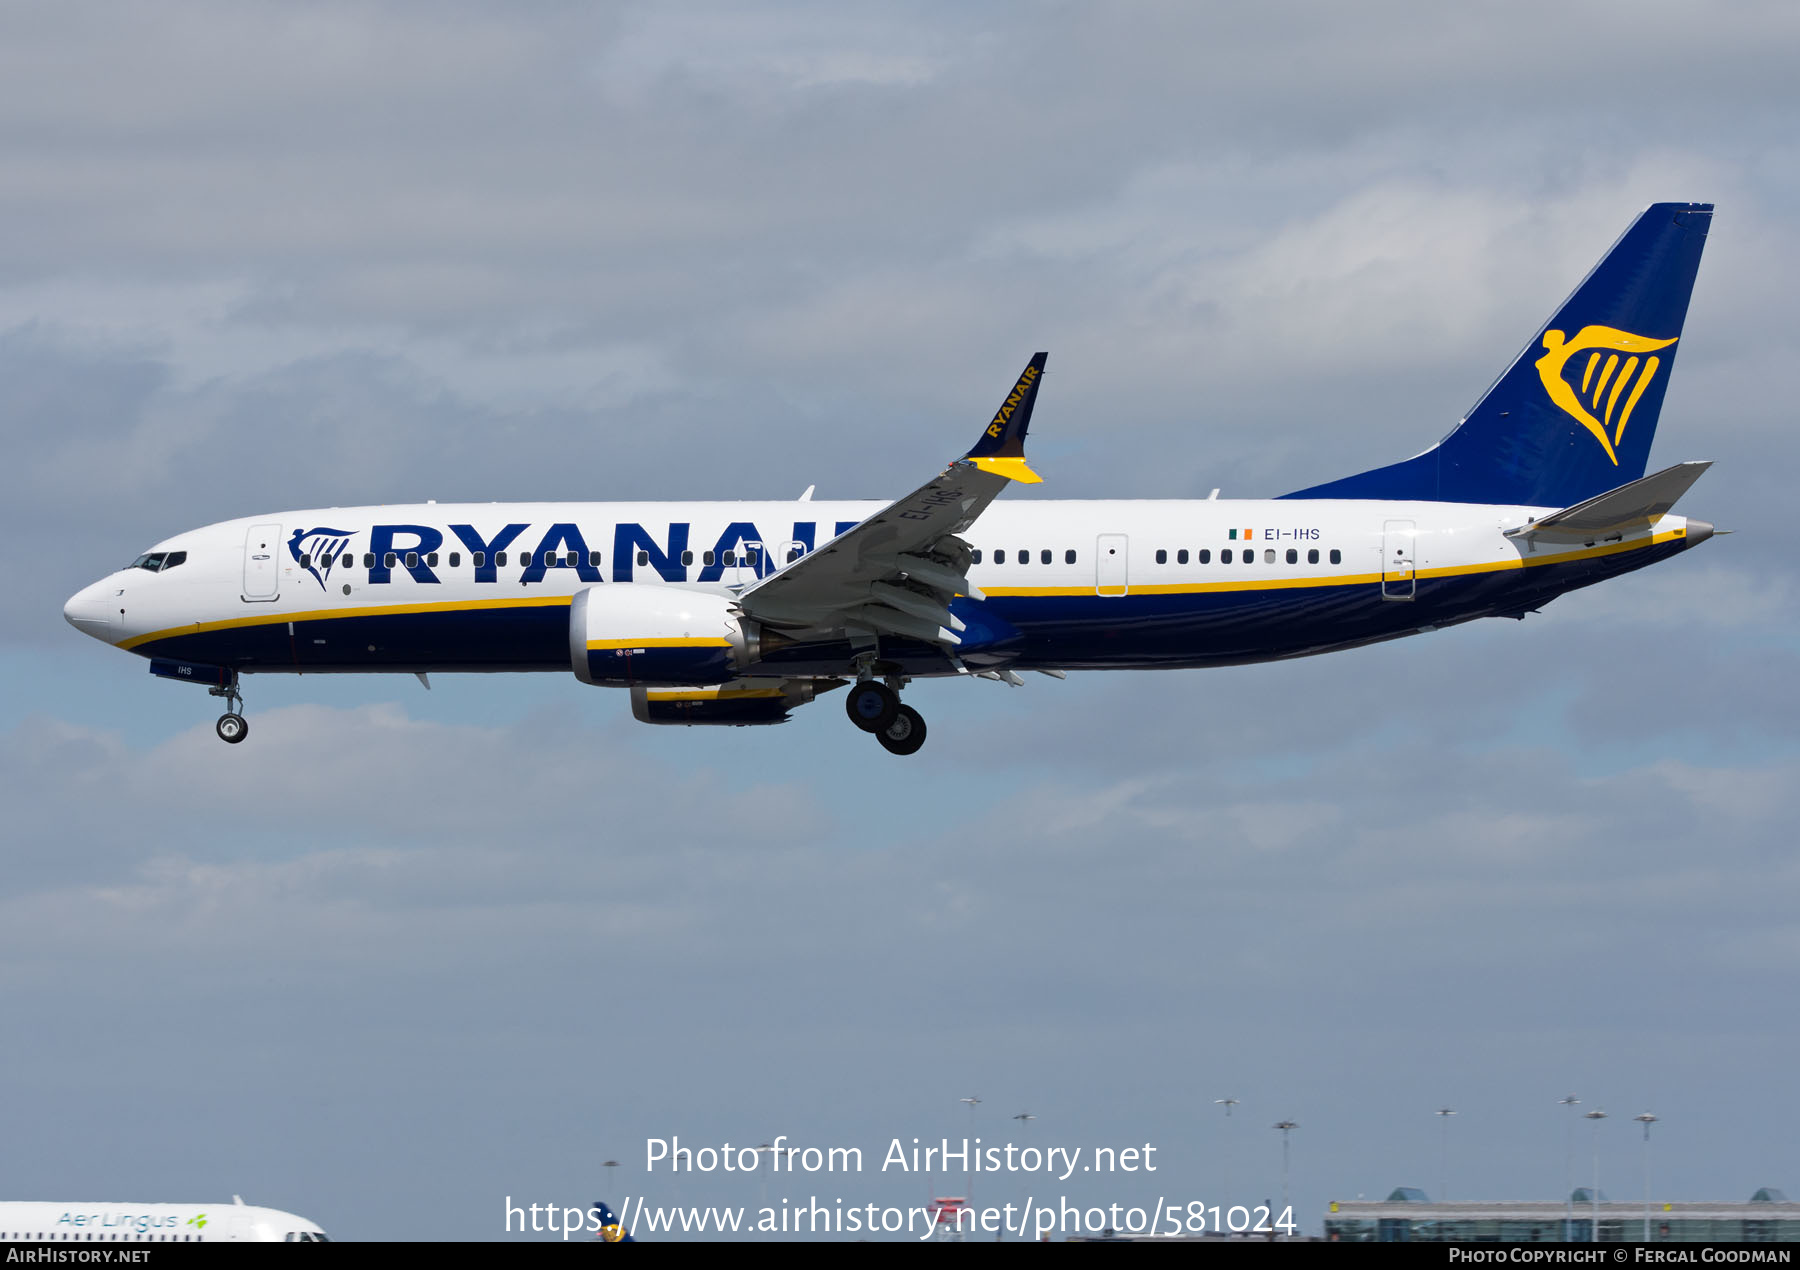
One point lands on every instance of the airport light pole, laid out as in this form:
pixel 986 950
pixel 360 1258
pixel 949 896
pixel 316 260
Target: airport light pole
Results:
pixel 1594 1117
pixel 1646 1119
pixel 1230 1142
pixel 1285 1126
pixel 1571 1102
pixel 1443 1115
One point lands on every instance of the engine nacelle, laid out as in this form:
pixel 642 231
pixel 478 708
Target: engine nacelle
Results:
pixel 626 633
pixel 741 703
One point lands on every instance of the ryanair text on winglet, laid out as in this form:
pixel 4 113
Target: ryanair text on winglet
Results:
pixel 1012 401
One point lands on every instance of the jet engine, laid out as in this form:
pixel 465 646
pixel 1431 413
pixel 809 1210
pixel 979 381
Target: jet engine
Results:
pixel 740 703
pixel 627 633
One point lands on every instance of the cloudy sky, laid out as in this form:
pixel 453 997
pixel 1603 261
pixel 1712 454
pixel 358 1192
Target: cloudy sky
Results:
pixel 405 954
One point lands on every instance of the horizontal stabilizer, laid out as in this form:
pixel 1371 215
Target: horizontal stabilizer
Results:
pixel 1618 511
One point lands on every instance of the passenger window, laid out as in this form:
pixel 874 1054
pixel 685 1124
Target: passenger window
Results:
pixel 306 560
pixel 431 560
pixel 1181 556
pixel 708 559
pixel 1044 557
pixel 594 559
pixel 975 556
pixel 1068 557
pixel 456 559
pixel 1205 556
pixel 1024 557
pixel 1312 557
pixel 499 559
pixel 478 559
pixel 1336 556
pixel 524 560
pixel 412 559
pixel 1162 557
pixel 1293 557
pixel 390 559
pixel 793 554
pixel 1000 555
pixel 687 557
pixel 643 557
pixel 730 559
pixel 1268 555
pixel 1225 556
pixel 368 559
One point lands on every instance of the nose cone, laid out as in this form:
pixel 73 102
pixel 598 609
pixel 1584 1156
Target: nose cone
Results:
pixel 91 611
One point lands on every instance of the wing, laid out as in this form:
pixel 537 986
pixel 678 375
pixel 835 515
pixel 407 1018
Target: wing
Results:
pixel 897 571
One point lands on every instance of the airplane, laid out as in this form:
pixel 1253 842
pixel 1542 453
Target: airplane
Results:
pixel 236 1222
pixel 737 613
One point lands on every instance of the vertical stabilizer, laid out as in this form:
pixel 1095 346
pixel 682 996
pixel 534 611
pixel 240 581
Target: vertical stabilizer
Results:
pixel 1575 413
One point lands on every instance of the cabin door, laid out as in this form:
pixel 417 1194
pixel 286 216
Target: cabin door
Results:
pixel 1112 554
pixel 262 571
pixel 1398 577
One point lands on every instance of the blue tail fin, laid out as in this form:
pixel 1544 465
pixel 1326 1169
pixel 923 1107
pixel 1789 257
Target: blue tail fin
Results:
pixel 1574 414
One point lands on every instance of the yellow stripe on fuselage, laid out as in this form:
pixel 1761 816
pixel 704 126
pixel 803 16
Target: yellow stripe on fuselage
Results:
pixel 326 615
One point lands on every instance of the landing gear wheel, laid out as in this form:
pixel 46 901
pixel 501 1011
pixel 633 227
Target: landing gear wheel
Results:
pixel 905 734
pixel 872 705
pixel 232 728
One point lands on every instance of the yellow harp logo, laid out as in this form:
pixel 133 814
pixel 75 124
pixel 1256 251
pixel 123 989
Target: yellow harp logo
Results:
pixel 1604 345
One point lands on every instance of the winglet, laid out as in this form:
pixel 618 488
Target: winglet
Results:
pixel 1001 447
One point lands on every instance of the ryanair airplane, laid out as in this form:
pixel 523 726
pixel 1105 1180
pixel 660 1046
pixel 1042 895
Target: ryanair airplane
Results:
pixel 236 1222
pixel 736 613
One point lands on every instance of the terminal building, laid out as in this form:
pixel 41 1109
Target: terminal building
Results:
pixel 1408 1216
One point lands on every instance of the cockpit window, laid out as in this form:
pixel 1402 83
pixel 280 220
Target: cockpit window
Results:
pixel 157 561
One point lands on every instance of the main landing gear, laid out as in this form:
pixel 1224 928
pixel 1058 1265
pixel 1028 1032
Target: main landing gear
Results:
pixel 875 707
pixel 232 726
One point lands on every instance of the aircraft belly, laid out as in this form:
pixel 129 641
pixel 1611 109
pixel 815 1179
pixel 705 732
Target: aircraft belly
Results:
pixel 533 637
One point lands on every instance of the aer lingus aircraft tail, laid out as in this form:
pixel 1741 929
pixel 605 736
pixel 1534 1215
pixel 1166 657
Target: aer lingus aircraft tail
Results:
pixel 1575 413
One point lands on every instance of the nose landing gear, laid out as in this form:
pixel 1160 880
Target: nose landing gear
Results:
pixel 232 726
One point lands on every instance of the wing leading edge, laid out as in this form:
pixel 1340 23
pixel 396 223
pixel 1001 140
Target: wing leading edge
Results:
pixel 897 572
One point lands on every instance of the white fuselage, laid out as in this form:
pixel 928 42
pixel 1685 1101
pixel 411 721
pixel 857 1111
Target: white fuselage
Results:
pixel 1047 564
pixel 152 1223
